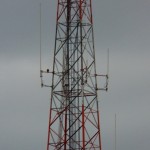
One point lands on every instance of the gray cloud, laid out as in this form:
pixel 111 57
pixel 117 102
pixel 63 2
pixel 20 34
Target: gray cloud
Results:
pixel 122 26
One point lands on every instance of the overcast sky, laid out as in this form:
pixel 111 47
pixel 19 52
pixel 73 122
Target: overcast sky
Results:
pixel 123 26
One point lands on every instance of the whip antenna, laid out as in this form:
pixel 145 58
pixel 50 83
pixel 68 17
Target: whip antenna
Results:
pixel 108 62
pixel 107 75
pixel 40 40
pixel 115 132
pixel 41 50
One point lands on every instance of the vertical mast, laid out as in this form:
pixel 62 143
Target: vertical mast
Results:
pixel 115 132
pixel 74 119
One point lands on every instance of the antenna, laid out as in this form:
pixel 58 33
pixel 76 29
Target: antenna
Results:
pixel 107 75
pixel 115 132
pixel 74 104
pixel 40 40
pixel 41 50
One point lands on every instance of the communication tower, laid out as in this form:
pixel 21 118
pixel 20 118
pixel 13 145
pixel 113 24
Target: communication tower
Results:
pixel 74 119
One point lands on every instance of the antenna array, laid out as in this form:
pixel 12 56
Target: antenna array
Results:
pixel 74 120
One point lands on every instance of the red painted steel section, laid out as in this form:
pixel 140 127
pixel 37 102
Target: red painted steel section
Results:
pixel 100 142
pixel 65 139
pixel 91 11
pixel 80 10
pixel 83 128
pixel 50 114
pixel 57 11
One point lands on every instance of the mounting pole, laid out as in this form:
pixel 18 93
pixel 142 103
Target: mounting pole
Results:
pixel 115 132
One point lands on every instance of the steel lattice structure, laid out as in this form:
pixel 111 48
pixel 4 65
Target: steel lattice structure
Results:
pixel 74 120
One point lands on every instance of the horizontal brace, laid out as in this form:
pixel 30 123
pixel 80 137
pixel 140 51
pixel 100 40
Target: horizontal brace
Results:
pixel 47 71
pixel 102 89
pixel 102 75
pixel 43 85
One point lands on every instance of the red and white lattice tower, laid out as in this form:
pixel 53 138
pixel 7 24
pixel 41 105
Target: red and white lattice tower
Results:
pixel 74 119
